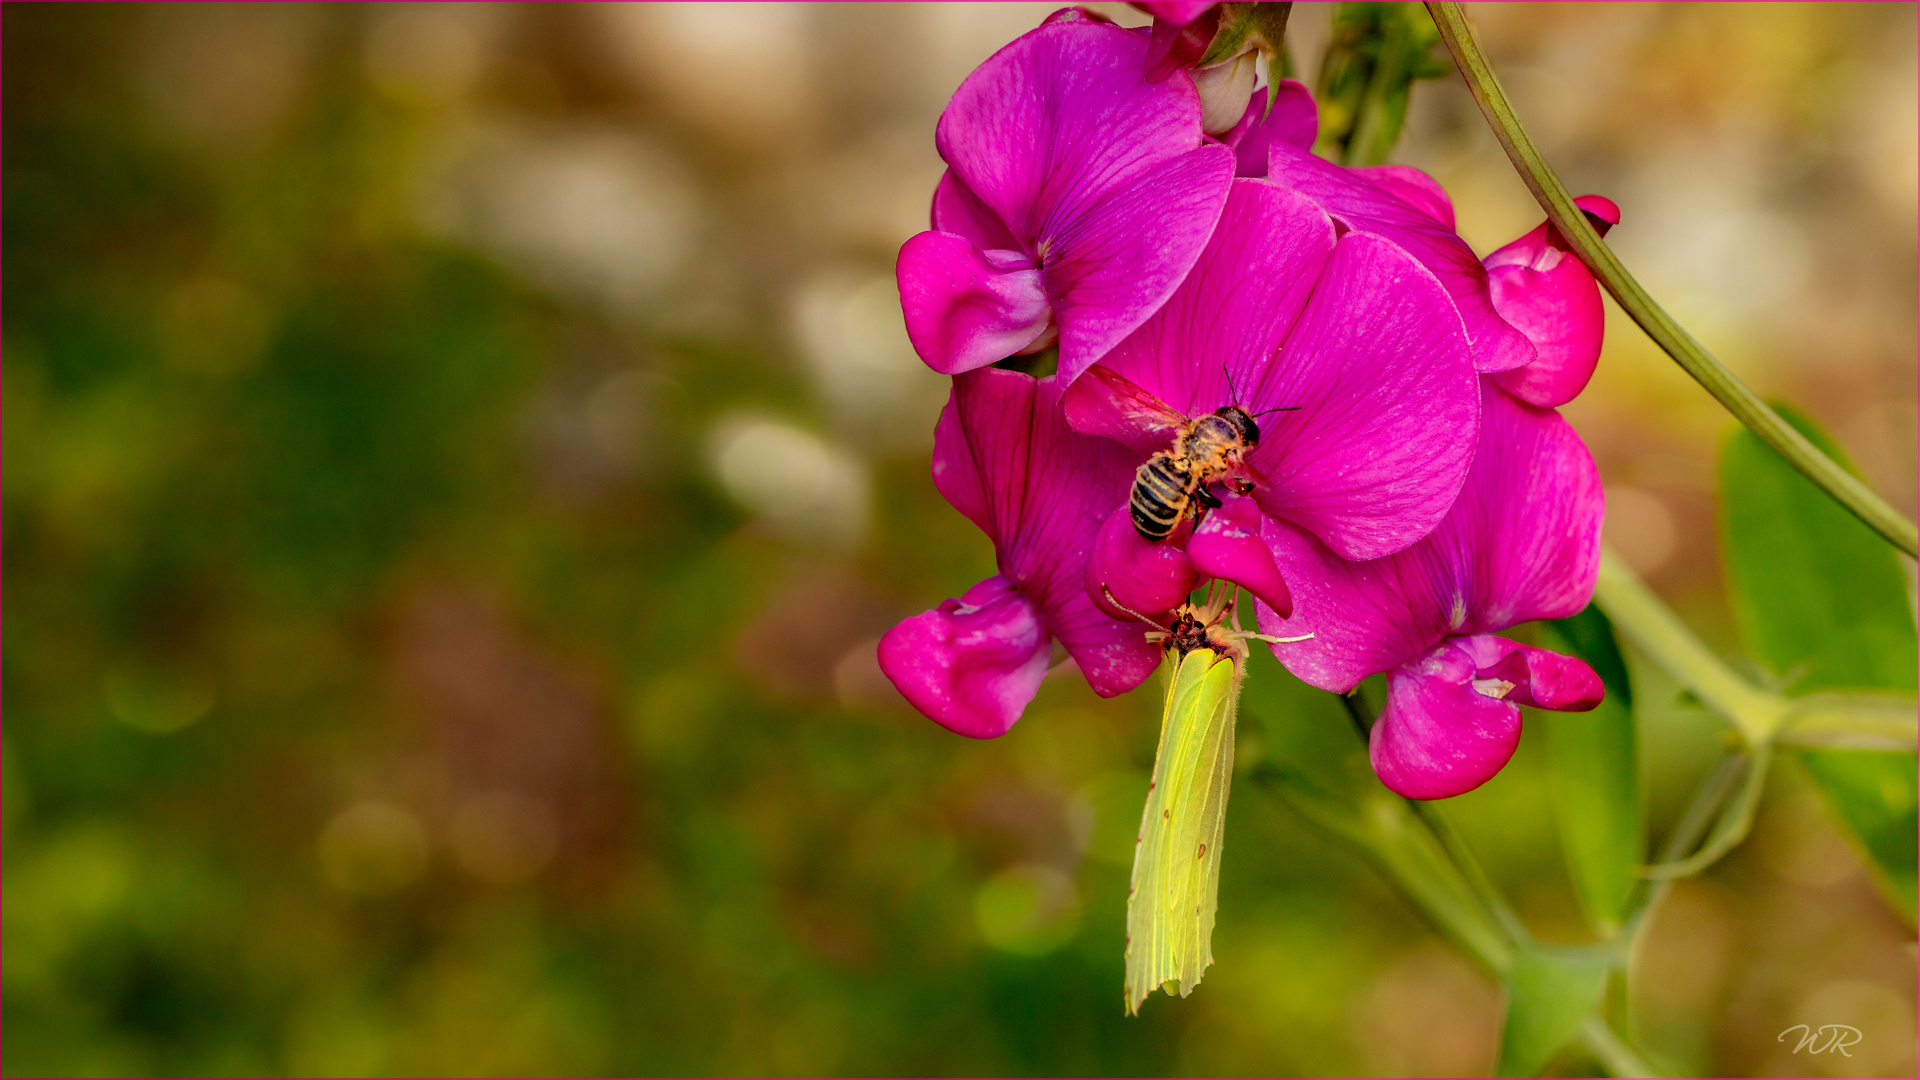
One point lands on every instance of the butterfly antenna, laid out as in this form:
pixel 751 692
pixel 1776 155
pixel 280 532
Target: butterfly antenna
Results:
pixel 1110 599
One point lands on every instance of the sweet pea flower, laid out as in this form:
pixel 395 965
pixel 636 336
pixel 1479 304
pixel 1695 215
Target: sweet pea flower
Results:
pixel 1542 288
pixel 1398 202
pixel 1522 542
pixel 1346 333
pixel 1534 287
pixel 1076 198
pixel 1004 456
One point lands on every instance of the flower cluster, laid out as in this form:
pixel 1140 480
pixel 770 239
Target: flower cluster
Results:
pixel 1273 371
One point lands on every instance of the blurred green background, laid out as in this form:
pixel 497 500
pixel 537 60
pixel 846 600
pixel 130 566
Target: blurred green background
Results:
pixel 460 459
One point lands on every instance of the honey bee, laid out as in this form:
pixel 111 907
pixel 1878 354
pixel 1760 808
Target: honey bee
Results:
pixel 1207 450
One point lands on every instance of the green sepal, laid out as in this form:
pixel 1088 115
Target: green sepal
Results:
pixel 1262 26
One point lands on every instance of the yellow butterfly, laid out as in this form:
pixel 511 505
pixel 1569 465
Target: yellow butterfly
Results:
pixel 1176 860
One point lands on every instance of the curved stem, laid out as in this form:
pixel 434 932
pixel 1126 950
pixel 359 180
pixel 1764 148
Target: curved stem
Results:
pixel 1612 1051
pixel 1844 487
pixel 1660 634
pixel 1483 887
pixel 1850 720
pixel 1733 827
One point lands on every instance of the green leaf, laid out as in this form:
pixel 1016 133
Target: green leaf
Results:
pixel 1874 794
pixel 1822 601
pixel 1176 865
pixel 1550 992
pixel 1593 758
pixel 1819 597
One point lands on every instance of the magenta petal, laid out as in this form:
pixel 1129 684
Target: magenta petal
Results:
pixel 1005 457
pixel 1365 617
pixel 1520 543
pixel 1365 206
pixel 1294 120
pixel 956 465
pixel 1439 736
pixel 1387 402
pixel 1061 118
pixel 1130 578
pixel 1538 677
pixel 1543 289
pixel 1110 268
pixel 1560 312
pixel 1523 541
pixel 1229 545
pixel 1101 176
pixel 1114 657
pixel 965 308
pixel 1413 187
pixel 1603 212
pixel 971 664
pixel 959 211
pixel 1177 12
pixel 1175 43
pixel 1235 307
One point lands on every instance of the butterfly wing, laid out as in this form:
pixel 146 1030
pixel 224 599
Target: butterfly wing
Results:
pixel 1114 407
pixel 1176 861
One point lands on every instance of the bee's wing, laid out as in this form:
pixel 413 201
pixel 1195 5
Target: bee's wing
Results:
pixel 1113 407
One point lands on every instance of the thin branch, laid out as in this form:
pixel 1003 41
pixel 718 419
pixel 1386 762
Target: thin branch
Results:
pixel 1746 406
pixel 1483 887
pixel 1659 633
pixel 1612 1051
pixel 1733 827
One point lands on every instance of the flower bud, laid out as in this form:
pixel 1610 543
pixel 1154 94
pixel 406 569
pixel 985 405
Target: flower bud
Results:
pixel 1225 88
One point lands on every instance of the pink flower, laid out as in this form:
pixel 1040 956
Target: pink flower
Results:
pixel 1400 203
pixel 1077 196
pixel 1532 308
pixel 1522 542
pixel 1004 456
pixel 1351 337
pixel 1545 291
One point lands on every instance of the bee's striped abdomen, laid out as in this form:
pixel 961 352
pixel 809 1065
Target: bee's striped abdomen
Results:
pixel 1160 496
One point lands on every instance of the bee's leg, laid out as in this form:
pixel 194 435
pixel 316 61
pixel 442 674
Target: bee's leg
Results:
pixel 1206 499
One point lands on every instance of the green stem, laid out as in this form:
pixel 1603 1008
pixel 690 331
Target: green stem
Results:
pixel 1733 826
pixel 1665 640
pixel 1660 326
pixel 1381 826
pixel 1850 720
pixel 1483 887
pixel 1612 1051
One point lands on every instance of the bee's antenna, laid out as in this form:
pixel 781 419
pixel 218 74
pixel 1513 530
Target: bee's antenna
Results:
pixel 1282 408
